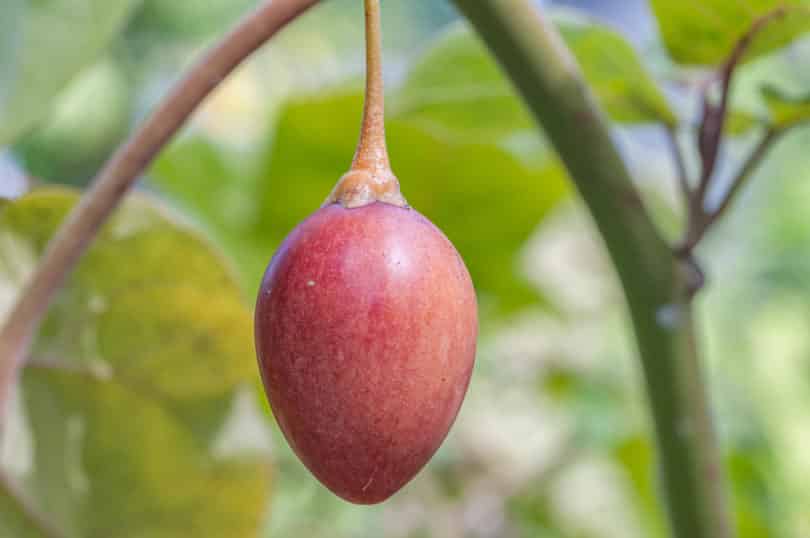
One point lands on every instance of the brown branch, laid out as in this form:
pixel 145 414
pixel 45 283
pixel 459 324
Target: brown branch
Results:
pixel 714 116
pixel 28 509
pixel 710 138
pixel 749 167
pixel 121 172
pixel 702 225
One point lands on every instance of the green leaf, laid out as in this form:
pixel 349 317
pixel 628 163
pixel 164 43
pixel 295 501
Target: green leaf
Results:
pixel 84 126
pixel 458 88
pixel 786 109
pixel 481 196
pixel 191 17
pixel 58 39
pixel 153 328
pixel 635 456
pixel 147 476
pixel 751 469
pixel 533 513
pixel 615 72
pixel 705 31
pixel 219 189
pixel 740 121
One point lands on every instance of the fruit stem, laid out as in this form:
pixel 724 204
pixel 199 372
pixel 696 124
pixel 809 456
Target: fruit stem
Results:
pixel 370 178
pixel 372 153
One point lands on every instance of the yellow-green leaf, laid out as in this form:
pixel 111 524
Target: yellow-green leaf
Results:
pixel 786 109
pixel 615 72
pixel 740 121
pixel 705 31
pixel 133 376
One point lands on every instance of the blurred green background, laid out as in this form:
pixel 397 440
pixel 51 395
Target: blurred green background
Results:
pixel 159 427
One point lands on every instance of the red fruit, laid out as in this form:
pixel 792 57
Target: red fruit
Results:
pixel 366 324
pixel 366 328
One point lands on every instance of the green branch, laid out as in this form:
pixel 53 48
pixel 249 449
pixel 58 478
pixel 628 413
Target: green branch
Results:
pixel 656 284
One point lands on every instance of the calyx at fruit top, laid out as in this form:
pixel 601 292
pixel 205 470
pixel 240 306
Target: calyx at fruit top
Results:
pixel 360 187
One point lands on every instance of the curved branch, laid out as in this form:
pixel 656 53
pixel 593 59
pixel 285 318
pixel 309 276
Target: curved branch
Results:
pixel 751 165
pixel 703 223
pixel 680 162
pixel 121 172
pixel 715 116
pixel 29 511
pixel 657 285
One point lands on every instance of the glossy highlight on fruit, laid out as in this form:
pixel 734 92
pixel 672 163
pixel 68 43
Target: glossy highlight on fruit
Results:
pixel 366 328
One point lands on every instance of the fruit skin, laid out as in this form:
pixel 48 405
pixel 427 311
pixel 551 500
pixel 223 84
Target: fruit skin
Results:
pixel 366 328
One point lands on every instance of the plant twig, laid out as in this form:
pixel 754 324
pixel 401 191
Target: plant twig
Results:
pixel 120 173
pixel 27 508
pixel 655 283
pixel 710 137
pixel 701 225
pixel 714 116
pixel 748 168
pixel 680 162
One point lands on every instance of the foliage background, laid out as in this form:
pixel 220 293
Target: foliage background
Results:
pixel 160 428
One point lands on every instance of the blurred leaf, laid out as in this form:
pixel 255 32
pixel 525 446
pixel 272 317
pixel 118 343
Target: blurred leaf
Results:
pixel 635 456
pixel 458 87
pixel 594 400
pixel 750 468
pixel 146 474
pixel 481 196
pixel 59 38
pixel 786 109
pixel 777 263
pixel 219 190
pixel 196 172
pixel 533 515
pixel 739 121
pixel 615 72
pixel 705 31
pixel 87 121
pixel 153 324
pixel 190 17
